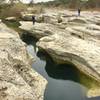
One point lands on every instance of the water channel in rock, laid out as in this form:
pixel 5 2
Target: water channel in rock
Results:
pixel 64 81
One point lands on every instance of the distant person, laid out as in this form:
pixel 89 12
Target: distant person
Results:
pixel 79 11
pixel 33 20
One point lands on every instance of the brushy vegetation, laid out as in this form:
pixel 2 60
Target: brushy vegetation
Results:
pixel 16 9
pixel 12 10
pixel 74 4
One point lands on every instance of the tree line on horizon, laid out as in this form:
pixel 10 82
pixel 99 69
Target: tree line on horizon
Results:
pixel 65 3
pixel 76 3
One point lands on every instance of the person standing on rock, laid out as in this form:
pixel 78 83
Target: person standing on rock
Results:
pixel 79 11
pixel 33 20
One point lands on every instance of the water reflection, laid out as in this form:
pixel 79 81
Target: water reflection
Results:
pixel 63 72
pixel 62 82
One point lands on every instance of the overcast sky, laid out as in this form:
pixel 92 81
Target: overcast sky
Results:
pixel 36 1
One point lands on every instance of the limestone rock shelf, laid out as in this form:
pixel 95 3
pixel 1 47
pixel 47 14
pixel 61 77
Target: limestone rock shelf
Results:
pixel 18 81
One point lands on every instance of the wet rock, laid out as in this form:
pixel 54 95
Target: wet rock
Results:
pixel 18 81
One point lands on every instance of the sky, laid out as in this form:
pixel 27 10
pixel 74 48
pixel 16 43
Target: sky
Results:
pixel 26 1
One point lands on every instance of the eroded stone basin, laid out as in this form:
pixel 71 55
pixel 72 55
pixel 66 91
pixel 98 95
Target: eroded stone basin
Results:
pixel 65 82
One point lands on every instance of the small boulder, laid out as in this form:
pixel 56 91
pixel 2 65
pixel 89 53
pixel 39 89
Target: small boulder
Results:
pixel 13 19
pixel 27 17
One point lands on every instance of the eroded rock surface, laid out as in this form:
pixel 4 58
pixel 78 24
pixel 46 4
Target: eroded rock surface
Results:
pixel 18 81
pixel 75 40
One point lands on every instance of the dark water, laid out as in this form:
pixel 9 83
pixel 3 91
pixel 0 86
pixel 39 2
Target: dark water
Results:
pixel 63 80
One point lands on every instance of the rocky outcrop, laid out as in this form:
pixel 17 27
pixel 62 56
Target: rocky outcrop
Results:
pixel 47 18
pixel 18 81
pixel 26 17
pixel 12 19
pixel 39 30
pixel 75 40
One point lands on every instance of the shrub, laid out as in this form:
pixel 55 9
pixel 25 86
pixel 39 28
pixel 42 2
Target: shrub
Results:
pixel 14 10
